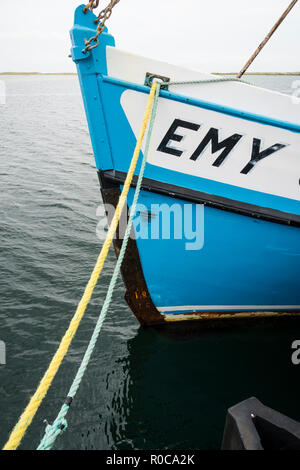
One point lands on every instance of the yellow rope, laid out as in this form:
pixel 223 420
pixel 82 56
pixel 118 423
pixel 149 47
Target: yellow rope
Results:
pixel 31 409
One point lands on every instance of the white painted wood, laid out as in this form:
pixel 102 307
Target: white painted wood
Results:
pixel 130 67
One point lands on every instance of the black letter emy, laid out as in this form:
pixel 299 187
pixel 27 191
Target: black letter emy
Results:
pixel 170 135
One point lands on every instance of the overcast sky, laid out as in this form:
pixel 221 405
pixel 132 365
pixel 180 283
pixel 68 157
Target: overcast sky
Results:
pixel 209 35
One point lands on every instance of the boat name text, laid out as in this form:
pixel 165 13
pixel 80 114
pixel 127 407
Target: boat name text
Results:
pixel 212 137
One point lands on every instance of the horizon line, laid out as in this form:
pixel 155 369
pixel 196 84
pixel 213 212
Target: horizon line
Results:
pixel 215 73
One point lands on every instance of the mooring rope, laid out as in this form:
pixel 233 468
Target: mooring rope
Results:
pixel 60 424
pixel 209 80
pixel 26 418
pixel 199 81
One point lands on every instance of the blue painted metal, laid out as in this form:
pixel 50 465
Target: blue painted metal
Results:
pixel 244 261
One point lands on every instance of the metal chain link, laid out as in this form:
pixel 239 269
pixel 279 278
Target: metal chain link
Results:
pixel 91 5
pixel 103 16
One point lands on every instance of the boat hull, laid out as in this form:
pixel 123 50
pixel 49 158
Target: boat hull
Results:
pixel 216 233
pixel 241 266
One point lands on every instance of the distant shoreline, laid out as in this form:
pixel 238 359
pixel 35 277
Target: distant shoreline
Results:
pixel 37 73
pixel 215 73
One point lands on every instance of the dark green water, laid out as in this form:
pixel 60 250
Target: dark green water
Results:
pixel 142 390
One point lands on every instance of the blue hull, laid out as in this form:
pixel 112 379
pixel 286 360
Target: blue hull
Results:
pixel 244 258
pixel 245 264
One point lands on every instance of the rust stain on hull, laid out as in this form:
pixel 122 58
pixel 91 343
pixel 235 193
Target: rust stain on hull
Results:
pixel 226 316
pixel 137 295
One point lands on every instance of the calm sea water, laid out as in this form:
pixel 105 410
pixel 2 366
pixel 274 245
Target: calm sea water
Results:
pixel 142 390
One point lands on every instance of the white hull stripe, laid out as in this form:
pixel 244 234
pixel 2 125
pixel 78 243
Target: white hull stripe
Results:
pixel 213 308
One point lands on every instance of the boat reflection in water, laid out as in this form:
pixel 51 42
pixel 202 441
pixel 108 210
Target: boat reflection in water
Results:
pixel 172 389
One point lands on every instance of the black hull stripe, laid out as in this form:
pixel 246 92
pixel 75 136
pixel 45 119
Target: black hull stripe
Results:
pixel 111 177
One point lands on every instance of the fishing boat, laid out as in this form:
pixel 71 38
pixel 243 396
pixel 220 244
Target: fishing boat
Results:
pixel 222 174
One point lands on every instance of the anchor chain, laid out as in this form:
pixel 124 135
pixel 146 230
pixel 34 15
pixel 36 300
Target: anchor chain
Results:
pixel 103 16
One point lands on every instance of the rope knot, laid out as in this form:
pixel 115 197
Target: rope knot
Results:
pixel 52 431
